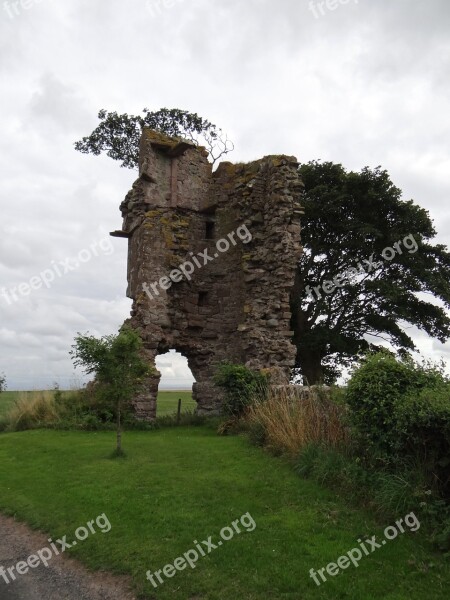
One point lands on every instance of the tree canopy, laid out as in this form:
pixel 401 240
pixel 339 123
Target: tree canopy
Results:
pixel 119 134
pixel 369 268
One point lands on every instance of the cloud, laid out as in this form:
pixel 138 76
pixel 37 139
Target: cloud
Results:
pixel 57 106
pixel 365 84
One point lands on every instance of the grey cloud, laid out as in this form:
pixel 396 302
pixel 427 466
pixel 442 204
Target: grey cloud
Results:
pixel 56 105
pixel 365 84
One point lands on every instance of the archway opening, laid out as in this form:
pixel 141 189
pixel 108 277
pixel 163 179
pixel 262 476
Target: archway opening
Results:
pixel 175 384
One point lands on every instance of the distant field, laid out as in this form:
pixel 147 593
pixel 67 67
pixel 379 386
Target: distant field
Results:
pixel 6 401
pixel 167 401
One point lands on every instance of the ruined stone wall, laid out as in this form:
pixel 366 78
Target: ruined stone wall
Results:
pixel 236 307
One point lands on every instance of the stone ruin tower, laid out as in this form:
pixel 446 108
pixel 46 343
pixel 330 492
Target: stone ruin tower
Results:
pixel 235 307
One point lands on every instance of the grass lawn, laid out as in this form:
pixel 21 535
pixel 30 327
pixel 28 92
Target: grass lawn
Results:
pixel 167 401
pixel 184 484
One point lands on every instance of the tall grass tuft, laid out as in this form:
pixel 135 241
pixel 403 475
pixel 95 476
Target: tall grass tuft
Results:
pixel 32 410
pixel 287 421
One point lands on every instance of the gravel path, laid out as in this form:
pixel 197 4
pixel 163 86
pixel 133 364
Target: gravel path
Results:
pixel 63 579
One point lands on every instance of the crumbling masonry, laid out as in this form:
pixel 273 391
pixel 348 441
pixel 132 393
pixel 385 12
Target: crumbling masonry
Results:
pixel 235 307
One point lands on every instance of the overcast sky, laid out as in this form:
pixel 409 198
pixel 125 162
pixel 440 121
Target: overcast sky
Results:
pixel 361 82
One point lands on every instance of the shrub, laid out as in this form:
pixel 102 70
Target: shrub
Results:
pixel 241 386
pixel 401 410
pixel 286 423
pixel 423 429
pixel 95 400
pixel 374 394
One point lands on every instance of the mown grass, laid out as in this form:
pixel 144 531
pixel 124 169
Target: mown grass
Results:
pixel 183 484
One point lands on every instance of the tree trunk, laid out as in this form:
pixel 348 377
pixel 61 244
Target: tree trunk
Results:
pixel 308 359
pixel 311 366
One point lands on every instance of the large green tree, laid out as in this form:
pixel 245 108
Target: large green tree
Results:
pixel 118 366
pixel 369 268
pixel 119 134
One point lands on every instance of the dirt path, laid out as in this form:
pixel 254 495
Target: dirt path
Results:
pixel 63 579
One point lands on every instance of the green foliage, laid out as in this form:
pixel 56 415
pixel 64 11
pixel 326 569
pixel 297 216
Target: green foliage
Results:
pixel 391 490
pixel 350 218
pixel 84 410
pixel 118 366
pixel 119 135
pixel 423 429
pixel 401 410
pixel 437 513
pixel 116 362
pixel 241 386
pixel 396 459
pixel 384 395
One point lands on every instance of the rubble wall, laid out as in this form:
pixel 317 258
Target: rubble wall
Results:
pixel 236 306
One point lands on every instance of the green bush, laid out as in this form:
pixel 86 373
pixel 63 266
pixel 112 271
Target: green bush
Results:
pixel 398 457
pixel 83 410
pixel 423 429
pixel 241 386
pixel 401 411
pixel 376 394
pixel 89 408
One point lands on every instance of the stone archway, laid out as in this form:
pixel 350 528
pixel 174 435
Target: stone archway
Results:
pixel 207 396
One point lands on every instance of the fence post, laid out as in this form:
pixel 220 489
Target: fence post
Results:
pixel 179 411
